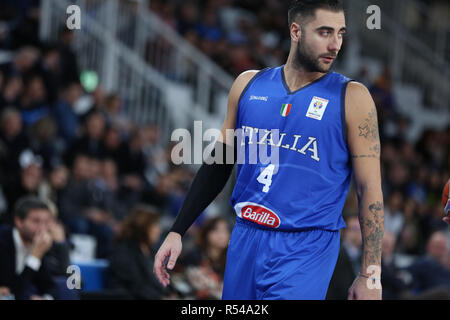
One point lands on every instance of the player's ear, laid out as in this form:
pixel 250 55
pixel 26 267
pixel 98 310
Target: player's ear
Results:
pixel 296 32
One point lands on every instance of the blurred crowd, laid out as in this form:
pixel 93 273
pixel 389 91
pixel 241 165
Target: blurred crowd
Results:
pixel 98 173
pixel 85 168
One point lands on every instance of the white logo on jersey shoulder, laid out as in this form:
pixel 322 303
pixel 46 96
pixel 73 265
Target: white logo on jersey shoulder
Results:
pixel 259 98
pixel 317 108
pixel 257 213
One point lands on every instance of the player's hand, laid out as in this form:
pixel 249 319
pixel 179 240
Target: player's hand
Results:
pixel 447 219
pixel 363 289
pixel 169 251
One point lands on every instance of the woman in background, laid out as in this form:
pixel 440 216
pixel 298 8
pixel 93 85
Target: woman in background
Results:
pixel 205 264
pixel 131 264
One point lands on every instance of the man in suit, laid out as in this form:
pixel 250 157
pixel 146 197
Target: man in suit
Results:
pixel 22 249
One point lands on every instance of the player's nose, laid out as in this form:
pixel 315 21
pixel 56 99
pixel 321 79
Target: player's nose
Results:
pixel 334 45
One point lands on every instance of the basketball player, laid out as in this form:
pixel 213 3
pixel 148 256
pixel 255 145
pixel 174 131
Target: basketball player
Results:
pixel 285 242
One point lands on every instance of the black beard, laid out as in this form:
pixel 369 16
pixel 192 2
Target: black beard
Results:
pixel 305 59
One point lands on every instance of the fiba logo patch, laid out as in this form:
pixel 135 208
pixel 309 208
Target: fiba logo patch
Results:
pixel 317 108
pixel 318 105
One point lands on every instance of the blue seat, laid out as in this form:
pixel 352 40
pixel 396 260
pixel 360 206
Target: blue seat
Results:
pixel 93 274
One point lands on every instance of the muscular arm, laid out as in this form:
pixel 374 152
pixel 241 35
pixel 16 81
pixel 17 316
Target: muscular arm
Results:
pixel 208 182
pixel 364 144
pixel 211 178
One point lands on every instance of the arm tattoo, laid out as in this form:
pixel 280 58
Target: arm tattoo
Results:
pixel 369 128
pixel 376 148
pixel 373 229
pixel 365 156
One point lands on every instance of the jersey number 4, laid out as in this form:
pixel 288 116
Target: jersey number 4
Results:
pixel 265 177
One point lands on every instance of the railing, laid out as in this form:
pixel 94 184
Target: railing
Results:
pixel 410 59
pixel 116 45
pixel 140 30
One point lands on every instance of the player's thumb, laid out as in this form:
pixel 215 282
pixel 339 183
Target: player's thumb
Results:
pixel 172 259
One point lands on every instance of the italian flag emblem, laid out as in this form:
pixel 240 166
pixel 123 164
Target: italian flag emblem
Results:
pixel 285 109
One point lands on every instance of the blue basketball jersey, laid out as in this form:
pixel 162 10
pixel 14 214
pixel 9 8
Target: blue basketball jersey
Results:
pixel 307 184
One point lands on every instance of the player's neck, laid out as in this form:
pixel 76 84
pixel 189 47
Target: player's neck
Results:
pixel 297 77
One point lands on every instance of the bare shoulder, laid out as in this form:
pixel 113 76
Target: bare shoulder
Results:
pixel 233 99
pixel 243 79
pixel 358 97
pixel 239 85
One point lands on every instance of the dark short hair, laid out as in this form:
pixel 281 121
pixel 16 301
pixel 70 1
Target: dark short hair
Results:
pixel 27 203
pixel 307 8
pixel 136 223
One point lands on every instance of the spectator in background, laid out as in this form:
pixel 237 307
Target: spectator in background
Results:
pixel 34 103
pixel 393 216
pixel 157 161
pixel 23 267
pixel 205 264
pixel 58 256
pixel 132 162
pixel 43 141
pixel 87 204
pixel 28 182
pixel 91 142
pixel 131 264
pixel 55 183
pixel 23 62
pixel 394 287
pixel 115 115
pixel 348 263
pixel 50 69
pixel 64 113
pixel 431 272
pixel 69 63
pixel 121 200
pixel 383 97
pixel 410 236
pixel 114 144
pixel 13 141
pixel 187 17
pixel 11 93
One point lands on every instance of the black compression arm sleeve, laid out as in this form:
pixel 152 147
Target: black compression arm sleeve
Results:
pixel 208 183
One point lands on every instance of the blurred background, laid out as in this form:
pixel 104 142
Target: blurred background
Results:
pixel 86 117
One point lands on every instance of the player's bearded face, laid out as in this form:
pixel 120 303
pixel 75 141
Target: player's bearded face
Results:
pixel 307 58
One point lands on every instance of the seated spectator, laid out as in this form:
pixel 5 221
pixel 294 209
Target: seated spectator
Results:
pixel 28 182
pixel 115 115
pixel 205 263
pixel 12 142
pixel 58 258
pixel 23 267
pixel 131 264
pixel 34 103
pixel 430 272
pixel 87 203
pixel 348 264
pixel 394 287
pixel 11 92
pixel 55 183
pixel 91 142
pixel 43 141
pixel 64 113
pixel 393 216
